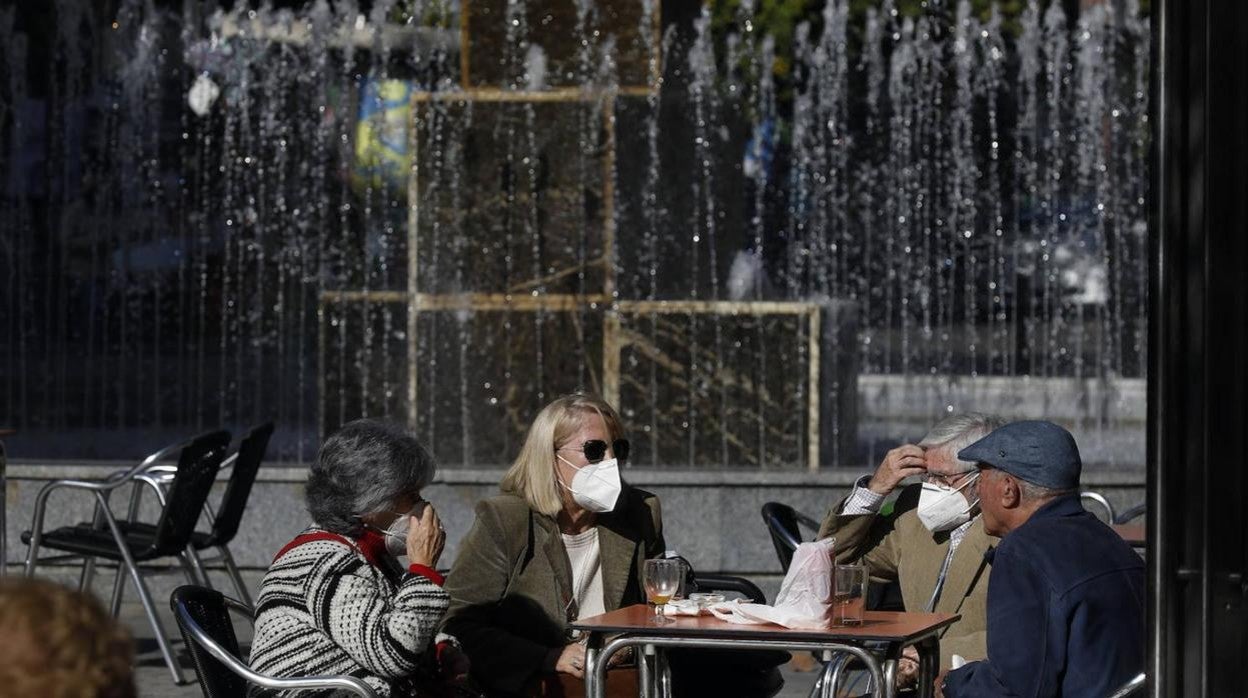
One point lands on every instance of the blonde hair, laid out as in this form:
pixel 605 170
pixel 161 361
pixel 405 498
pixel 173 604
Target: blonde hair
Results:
pixel 60 643
pixel 532 474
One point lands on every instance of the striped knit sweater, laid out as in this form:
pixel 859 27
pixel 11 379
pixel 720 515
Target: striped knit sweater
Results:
pixel 329 605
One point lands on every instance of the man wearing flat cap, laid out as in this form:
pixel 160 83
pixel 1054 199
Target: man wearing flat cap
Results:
pixel 1066 601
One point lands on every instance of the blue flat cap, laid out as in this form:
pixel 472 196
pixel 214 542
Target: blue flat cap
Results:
pixel 1041 453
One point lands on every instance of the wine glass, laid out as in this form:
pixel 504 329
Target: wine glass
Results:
pixel 661 579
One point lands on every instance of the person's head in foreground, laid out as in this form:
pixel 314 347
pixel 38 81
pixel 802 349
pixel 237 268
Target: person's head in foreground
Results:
pixel 59 643
pixel 1022 466
pixel 569 466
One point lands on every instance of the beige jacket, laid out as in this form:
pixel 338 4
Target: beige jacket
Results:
pixel 899 547
pixel 511 585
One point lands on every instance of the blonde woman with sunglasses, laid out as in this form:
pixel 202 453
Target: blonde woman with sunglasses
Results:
pixel 564 539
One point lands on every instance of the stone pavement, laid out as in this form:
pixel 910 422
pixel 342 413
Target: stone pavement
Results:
pixel 154 678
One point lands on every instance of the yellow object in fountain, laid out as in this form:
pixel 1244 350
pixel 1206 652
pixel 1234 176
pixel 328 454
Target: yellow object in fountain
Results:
pixel 382 154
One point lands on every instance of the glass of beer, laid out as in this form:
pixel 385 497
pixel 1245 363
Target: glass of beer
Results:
pixel 661 579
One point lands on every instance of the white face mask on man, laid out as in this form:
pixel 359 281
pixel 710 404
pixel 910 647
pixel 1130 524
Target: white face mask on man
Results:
pixel 596 486
pixel 943 508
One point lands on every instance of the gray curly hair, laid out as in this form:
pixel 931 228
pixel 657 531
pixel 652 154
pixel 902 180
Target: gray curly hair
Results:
pixel 952 434
pixel 364 467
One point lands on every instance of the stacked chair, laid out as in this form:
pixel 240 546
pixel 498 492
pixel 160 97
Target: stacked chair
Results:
pixel 182 491
pixel 106 537
pixel 244 464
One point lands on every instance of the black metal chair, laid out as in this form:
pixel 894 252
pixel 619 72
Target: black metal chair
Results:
pixel 784 524
pixel 244 465
pixel 105 537
pixel 203 616
pixel 705 581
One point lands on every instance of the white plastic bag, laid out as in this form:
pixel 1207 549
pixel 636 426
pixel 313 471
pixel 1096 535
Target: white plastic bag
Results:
pixel 805 598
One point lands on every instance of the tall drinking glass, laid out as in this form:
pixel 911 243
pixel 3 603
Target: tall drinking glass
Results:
pixel 661 579
pixel 850 594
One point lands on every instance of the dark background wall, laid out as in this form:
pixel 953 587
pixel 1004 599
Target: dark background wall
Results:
pixel 1198 401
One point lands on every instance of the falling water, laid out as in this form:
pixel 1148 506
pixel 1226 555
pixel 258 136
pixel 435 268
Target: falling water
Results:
pixel 959 196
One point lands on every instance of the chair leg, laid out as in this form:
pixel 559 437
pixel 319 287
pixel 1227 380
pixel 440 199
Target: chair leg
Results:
pixel 145 597
pixel 199 574
pixel 119 588
pixel 32 555
pixel 228 560
pixel 830 676
pixel 87 575
pixel 162 638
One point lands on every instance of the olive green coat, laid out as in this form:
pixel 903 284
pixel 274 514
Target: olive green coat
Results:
pixel 899 547
pixel 511 585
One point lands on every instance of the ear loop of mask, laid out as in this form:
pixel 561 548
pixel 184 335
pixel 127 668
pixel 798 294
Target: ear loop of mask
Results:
pixel 572 465
pixel 972 479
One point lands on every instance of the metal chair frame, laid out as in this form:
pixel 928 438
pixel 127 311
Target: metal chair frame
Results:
pixel 707 581
pixel 158 475
pixel 103 516
pixel 1102 502
pixel 195 633
pixel 1131 514
pixel 1131 687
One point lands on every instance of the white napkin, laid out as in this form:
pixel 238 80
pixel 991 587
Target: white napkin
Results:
pixel 682 607
pixel 957 662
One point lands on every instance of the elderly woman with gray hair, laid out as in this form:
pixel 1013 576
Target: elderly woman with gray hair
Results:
pixel 336 599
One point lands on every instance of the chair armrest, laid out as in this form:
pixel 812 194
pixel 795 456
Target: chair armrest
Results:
pixel 156 483
pixel 807 521
pixel 347 683
pixel 241 609
pixel 1101 501
pixel 725 582
pixel 162 454
pixel 1131 514
pixel 166 471
pixel 101 489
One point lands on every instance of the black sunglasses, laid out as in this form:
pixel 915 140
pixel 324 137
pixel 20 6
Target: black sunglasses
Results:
pixel 596 449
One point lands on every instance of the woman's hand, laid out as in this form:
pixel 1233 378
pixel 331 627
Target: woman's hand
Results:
pixel 572 660
pixel 425 538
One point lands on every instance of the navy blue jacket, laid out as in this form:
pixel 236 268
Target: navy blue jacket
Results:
pixel 1065 611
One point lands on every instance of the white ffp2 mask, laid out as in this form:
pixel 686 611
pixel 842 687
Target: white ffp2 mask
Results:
pixel 396 533
pixel 596 486
pixel 943 508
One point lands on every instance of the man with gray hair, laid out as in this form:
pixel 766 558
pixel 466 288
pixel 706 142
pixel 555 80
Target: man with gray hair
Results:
pixel 931 541
pixel 1066 607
